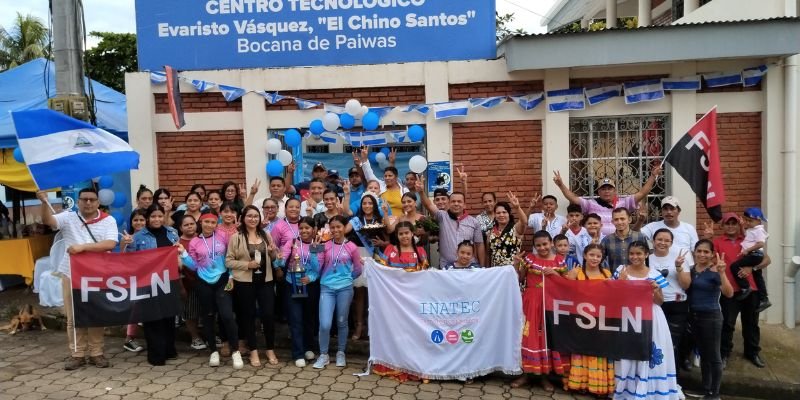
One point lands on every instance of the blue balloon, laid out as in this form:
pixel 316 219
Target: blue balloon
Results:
pixel 316 127
pixel 274 168
pixel 105 182
pixel 18 156
pixel 347 121
pixel 372 156
pixel 386 151
pixel 370 121
pixel 119 216
pixel 416 133
pixel 120 200
pixel 292 138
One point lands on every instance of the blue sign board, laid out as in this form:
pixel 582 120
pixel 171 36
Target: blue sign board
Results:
pixel 439 176
pixel 227 34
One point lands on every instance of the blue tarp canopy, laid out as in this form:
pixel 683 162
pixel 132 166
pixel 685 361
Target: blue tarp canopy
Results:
pixel 23 88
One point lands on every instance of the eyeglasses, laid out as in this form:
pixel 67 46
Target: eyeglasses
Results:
pixel 269 207
pixel 87 200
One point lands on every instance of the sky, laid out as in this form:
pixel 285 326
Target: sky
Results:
pixel 119 15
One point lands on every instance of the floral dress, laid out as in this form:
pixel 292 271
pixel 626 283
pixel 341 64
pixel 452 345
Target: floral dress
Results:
pixel 503 246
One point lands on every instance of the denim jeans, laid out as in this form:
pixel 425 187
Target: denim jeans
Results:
pixel 301 323
pixel 707 328
pixel 329 300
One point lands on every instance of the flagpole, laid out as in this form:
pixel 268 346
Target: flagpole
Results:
pixel 664 160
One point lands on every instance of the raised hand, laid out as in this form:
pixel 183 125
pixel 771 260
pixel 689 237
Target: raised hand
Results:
pixel 243 190
pixel 720 260
pixel 254 188
pixel 535 200
pixel 291 168
pixel 364 153
pixel 420 186
pixel 657 170
pixel 557 178
pixel 168 205
pixel 339 206
pixel 708 229
pixel 356 158
pixel 392 155
pixel 346 186
pixel 461 174
pixel 127 238
pixel 385 208
pixel 513 200
pixel 681 257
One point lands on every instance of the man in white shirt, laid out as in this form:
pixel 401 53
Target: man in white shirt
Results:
pixel 684 234
pixel 313 205
pixel 548 220
pixel 277 192
pixel 86 230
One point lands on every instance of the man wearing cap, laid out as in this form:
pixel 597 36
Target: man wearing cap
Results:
pixel 607 198
pixel 357 188
pixel 684 234
pixel 302 188
pixel 334 182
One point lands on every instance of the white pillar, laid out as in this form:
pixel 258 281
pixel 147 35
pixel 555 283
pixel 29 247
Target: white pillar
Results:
pixel 689 6
pixel 555 138
pixel 254 128
pixel 645 13
pixel 683 116
pixel 440 133
pixel 141 135
pixel 611 13
pixel 789 220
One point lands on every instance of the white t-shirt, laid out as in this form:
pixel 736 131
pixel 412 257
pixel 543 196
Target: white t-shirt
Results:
pixel 281 206
pixel 684 237
pixel 304 205
pixel 74 232
pixel 754 235
pixel 673 292
pixel 578 242
pixel 553 227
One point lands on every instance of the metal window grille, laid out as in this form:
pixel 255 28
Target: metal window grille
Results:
pixel 624 149
pixel 317 148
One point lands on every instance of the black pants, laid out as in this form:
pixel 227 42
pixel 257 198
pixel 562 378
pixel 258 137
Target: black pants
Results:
pixel 213 297
pixel 750 260
pixel 160 338
pixel 303 321
pixel 677 313
pixel 246 295
pixel 731 308
pixel 707 328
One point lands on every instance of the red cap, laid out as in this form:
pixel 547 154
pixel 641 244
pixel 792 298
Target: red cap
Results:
pixel 730 215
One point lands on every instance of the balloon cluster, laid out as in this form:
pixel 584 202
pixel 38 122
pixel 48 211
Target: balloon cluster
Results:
pixel 115 201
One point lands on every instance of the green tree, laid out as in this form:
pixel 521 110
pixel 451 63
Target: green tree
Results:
pixel 501 26
pixel 108 62
pixel 26 40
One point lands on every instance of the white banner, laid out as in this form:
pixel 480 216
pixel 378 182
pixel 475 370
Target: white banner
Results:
pixel 454 324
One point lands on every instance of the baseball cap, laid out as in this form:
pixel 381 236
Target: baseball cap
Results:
pixel 729 216
pixel 755 213
pixel 319 167
pixel 333 173
pixel 670 200
pixel 606 182
pixel 352 171
pixel 440 192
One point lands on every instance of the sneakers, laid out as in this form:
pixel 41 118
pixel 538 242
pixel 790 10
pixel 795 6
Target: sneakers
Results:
pixel 99 361
pixel 300 363
pixel 309 355
pixel 237 360
pixel 322 361
pixel 763 305
pixel 198 344
pixel 132 345
pixel 341 361
pixel 213 361
pixel 74 363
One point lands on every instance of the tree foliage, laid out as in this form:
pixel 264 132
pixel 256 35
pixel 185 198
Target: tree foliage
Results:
pixel 108 62
pixel 501 26
pixel 27 39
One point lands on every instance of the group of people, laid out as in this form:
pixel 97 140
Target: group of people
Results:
pixel 298 254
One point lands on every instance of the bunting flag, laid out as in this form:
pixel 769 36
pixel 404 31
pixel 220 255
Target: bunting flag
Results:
pixel 231 93
pixel 565 100
pixel 598 95
pixel 174 97
pixel 696 158
pixel 487 102
pixel 530 101
pixel 649 90
pixel 423 109
pixel 271 98
pixel 334 109
pixel 358 139
pixel 452 109
pixel 202 86
pixel 158 78
pixel 685 83
pixel 723 79
pixel 329 137
pixel 306 104
pixel 399 136
pixel 381 111
pixel 753 76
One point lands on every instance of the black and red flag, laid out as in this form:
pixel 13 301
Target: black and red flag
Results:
pixel 696 158
pixel 174 97
pixel 609 318
pixel 123 288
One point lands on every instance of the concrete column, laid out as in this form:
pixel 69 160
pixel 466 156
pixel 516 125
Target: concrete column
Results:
pixel 611 13
pixel 439 133
pixel 645 13
pixel 682 117
pixel 141 133
pixel 689 6
pixel 254 127
pixel 555 138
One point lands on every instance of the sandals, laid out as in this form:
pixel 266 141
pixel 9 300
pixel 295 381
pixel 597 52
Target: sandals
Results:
pixel 271 358
pixel 519 382
pixel 254 360
pixel 546 385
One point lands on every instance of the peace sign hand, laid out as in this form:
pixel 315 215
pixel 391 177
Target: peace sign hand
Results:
pixel 557 178
pixel 461 174
pixel 720 260
pixel 513 200
pixel 346 186
pixel 534 201
pixel 708 229
pixel 681 258
pixel 126 238
pixel 356 158
pixel 364 153
pixel 392 155
pixel 243 190
pixel 254 188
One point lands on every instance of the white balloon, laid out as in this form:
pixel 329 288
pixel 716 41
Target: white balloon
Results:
pixel 418 164
pixel 383 164
pixel 106 196
pixel 273 146
pixel 285 158
pixel 330 122
pixel 364 110
pixel 380 157
pixel 353 107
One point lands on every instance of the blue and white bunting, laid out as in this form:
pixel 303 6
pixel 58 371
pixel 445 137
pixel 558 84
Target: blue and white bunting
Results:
pixel 721 79
pixel 369 138
pixel 529 101
pixel 451 109
pixel 487 102
pixel 201 86
pixel 752 76
pixel 381 111
pixel 329 137
pixel 231 93
pixel 649 90
pixel 598 95
pixel 423 109
pixel 685 83
pixel 306 104
pixel 399 136
pixel 339 110
pixel 158 78
pixel 565 100
pixel 272 98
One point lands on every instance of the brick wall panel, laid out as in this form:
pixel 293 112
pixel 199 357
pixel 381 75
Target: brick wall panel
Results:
pixel 198 102
pixel 489 89
pixel 373 97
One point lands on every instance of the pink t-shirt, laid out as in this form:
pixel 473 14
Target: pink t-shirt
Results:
pixel 589 206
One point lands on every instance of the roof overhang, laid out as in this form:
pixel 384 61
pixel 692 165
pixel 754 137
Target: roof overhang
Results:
pixel 707 41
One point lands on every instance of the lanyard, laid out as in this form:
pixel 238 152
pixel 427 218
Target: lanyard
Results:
pixel 303 257
pixel 338 254
pixel 295 234
pixel 212 251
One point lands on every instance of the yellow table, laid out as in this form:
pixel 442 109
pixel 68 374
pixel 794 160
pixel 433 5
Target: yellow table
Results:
pixel 17 256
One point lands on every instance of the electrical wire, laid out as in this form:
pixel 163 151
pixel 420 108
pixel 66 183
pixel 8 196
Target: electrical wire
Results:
pixel 46 74
pixel 546 19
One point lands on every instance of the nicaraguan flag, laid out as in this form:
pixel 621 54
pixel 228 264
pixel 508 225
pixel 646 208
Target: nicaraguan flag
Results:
pixel 158 78
pixel 61 150
pixel 399 136
pixel 598 95
pixel 565 100
pixel 752 76
pixel 529 101
pixel 231 93
pixel 721 79
pixel 381 111
pixel 272 98
pixel 371 138
pixel 339 110
pixel 487 102
pixel 202 86
pixel 423 109
pixel 452 109
pixel 649 90
pixel 329 137
pixel 685 83
pixel 306 104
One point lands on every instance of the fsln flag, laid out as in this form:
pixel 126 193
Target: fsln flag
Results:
pixel 696 158
pixel 487 102
pixel 359 139
pixel 423 109
pixel 684 83
pixel 649 90
pixel 598 95
pixel 111 289
pixel 752 76
pixel 174 97
pixel 231 93
pixel 201 85
pixel 451 109
pixel 721 79
pixel 529 101
pixel 61 150
pixel 565 100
